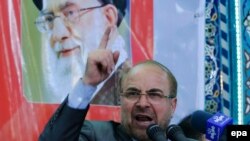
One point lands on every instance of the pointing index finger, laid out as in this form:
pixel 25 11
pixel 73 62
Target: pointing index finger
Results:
pixel 105 38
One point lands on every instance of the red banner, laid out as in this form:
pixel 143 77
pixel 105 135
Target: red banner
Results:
pixel 22 120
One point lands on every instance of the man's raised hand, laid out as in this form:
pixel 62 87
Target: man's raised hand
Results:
pixel 100 62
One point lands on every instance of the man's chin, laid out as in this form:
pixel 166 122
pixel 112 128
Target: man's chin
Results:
pixel 140 134
pixel 143 137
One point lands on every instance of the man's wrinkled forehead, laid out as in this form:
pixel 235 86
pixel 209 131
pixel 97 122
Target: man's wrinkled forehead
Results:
pixel 137 69
pixel 57 5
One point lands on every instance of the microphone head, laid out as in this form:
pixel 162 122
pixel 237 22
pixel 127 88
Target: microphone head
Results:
pixel 175 133
pixel 199 120
pixel 155 132
pixel 173 130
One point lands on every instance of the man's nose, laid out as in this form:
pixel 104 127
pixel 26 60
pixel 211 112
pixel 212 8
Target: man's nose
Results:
pixel 60 30
pixel 143 101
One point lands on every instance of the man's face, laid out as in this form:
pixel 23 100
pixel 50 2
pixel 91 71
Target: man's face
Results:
pixel 70 41
pixel 138 115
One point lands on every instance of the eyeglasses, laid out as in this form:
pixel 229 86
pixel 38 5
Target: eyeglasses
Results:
pixel 45 22
pixel 152 96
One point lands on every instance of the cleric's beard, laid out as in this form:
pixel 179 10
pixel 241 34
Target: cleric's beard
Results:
pixel 62 73
pixel 69 70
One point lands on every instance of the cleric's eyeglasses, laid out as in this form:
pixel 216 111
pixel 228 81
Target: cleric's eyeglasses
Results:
pixel 45 22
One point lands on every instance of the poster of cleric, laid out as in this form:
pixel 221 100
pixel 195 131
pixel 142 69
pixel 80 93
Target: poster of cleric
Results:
pixel 60 36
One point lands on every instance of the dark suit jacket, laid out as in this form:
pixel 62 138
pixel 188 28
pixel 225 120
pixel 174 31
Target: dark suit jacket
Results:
pixel 68 124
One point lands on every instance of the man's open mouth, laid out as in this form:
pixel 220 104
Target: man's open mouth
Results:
pixel 143 118
pixel 143 121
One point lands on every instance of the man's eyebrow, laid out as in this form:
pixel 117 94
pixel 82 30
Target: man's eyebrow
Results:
pixel 133 89
pixel 154 90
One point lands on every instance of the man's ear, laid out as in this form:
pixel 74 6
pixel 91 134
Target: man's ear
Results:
pixel 173 104
pixel 111 13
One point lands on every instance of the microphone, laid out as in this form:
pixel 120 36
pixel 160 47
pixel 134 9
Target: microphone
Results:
pixel 175 133
pixel 155 133
pixel 211 125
